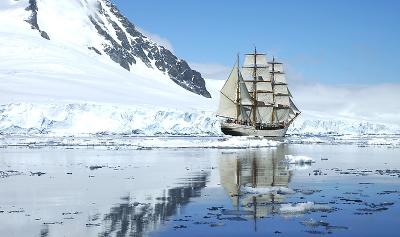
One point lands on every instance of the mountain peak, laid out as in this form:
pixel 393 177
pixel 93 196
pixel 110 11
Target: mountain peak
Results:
pixel 99 26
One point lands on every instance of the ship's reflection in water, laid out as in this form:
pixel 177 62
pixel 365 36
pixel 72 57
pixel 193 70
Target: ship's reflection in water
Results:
pixel 253 179
pixel 242 174
pixel 137 219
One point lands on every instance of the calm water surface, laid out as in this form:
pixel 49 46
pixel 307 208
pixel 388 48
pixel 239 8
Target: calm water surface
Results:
pixel 348 191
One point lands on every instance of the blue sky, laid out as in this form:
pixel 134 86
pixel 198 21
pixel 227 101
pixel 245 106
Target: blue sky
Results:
pixel 330 42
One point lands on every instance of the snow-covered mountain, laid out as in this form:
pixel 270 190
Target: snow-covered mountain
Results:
pixel 91 26
pixel 70 67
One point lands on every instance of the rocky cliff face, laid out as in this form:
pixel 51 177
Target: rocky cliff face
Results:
pixel 125 45
pixel 32 20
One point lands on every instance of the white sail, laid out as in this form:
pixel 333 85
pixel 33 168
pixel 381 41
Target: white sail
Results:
pixel 252 60
pixel 264 114
pixel 247 74
pixel 294 111
pixel 249 86
pixel 248 60
pixel 264 86
pixel 228 96
pixel 245 98
pixel 280 78
pixel 281 90
pixel 230 87
pixel 282 114
pixel 290 94
pixel 292 115
pixel 278 67
pixel 282 100
pixel 293 106
pixel 227 107
pixel 245 112
pixel 262 74
pixel 265 98
pixel 261 60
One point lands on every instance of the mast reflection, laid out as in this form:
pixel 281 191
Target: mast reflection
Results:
pixel 255 170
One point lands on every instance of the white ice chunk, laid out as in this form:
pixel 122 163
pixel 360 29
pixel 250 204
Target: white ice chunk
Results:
pixel 300 160
pixel 303 207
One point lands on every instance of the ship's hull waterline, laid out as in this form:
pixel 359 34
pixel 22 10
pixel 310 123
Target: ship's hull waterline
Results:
pixel 234 129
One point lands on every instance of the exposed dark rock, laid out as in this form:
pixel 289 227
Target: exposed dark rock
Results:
pixel 44 35
pixel 37 173
pixel 134 44
pixel 116 52
pixel 95 167
pixel 32 20
pixel 95 50
pixel 130 45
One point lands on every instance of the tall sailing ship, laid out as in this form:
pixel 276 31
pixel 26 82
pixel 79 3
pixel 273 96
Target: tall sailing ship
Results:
pixel 255 99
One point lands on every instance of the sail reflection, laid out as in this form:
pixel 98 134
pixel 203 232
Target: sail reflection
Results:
pixel 245 175
pixel 253 179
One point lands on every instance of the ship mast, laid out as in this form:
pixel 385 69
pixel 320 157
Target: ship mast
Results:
pixel 273 94
pixel 255 88
pixel 237 91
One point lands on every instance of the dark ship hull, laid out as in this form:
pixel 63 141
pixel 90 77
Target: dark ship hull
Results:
pixel 234 129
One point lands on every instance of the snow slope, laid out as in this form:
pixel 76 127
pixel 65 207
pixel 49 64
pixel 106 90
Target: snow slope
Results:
pixel 34 69
pixel 33 72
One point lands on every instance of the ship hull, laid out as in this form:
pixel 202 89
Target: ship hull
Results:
pixel 244 130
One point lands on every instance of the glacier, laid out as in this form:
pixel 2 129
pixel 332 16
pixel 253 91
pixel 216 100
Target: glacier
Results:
pixel 337 126
pixel 85 119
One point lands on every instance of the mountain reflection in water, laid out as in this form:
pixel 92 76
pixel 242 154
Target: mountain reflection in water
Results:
pixel 137 219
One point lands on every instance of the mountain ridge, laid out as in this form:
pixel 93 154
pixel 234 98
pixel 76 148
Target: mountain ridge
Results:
pixel 124 44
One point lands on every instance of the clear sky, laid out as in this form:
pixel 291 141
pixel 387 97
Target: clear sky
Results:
pixel 331 42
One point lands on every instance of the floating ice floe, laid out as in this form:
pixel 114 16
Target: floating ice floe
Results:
pixel 302 207
pixel 138 142
pixel 266 190
pixel 228 142
pixel 299 160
